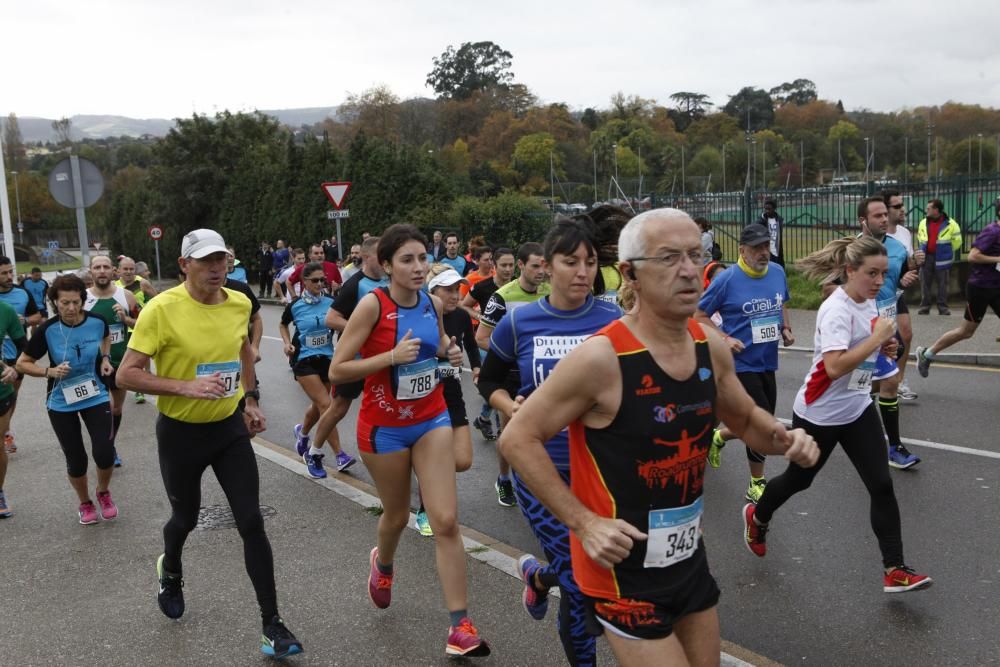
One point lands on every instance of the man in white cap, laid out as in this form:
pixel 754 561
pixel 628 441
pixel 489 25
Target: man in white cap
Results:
pixel 205 383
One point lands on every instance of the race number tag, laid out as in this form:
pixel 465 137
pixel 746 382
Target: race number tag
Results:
pixel 887 308
pixel 117 333
pixel 80 391
pixel 448 371
pixel 229 371
pixel 317 340
pixel 416 380
pixel 766 329
pixel 861 378
pixel 673 535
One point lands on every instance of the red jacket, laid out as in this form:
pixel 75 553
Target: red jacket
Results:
pixel 330 270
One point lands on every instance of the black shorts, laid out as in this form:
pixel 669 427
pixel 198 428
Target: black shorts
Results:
pixel 901 307
pixel 653 617
pixel 513 383
pixel 7 403
pixel 762 387
pixel 979 299
pixel 315 365
pixel 11 363
pixel 348 390
pixel 455 402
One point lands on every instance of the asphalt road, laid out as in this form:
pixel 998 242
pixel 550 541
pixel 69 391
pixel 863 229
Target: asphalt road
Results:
pixel 817 597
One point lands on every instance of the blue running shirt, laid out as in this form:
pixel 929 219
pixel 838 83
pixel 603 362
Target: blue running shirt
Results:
pixel 312 338
pixel 80 346
pixel 537 336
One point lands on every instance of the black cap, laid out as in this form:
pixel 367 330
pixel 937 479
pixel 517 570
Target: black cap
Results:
pixel 754 235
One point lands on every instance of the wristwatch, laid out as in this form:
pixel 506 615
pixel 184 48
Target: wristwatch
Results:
pixel 253 393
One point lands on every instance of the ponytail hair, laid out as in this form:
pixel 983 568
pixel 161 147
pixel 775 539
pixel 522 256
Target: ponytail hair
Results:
pixel 830 263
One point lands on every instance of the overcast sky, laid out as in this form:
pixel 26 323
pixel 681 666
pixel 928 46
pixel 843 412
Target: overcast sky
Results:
pixel 161 59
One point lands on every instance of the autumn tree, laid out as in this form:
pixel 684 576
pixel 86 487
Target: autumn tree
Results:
pixel 689 108
pixel 751 107
pixel 13 144
pixel 798 92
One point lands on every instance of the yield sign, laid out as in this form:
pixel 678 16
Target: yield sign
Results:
pixel 336 192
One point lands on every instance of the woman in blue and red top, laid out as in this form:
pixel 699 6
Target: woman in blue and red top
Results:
pixel 403 424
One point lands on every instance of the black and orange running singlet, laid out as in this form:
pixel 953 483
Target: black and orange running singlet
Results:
pixel 647 467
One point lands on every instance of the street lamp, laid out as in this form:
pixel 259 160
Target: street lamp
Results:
pixel 930 133
pixel 980 135
pixel 17 198
pixel 614 147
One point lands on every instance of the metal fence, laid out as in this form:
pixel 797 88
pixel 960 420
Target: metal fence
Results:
pixel 814 216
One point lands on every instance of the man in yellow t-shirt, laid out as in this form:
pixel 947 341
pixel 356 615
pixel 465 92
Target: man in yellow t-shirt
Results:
pixel 196 333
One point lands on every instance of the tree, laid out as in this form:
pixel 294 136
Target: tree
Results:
pixel 751 106
pixel 475 66
pixel 799 92
pixel 374 112
pixel 62 128
pixel 690 107
pixel 13 144
pixel 533 152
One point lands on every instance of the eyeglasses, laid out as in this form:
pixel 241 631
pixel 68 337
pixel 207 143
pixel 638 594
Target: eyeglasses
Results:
pixel 673 258
pixel 897 206
pixel 317 280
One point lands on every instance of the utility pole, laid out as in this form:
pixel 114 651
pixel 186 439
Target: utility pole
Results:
pixel 802 164
pixel 930 133
pixel 724 167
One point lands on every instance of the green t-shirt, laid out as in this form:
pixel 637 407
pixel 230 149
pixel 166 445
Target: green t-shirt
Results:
pixel 509 297
pixel 10 325
pixel 118 330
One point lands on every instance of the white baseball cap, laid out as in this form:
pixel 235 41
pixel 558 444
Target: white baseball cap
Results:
pixel 446 279
pixel 201 243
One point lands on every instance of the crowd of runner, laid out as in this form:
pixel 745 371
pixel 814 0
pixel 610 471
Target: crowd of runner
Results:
pixel 615 358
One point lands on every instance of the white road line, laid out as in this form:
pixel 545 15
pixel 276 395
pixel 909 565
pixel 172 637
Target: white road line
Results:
pixel 484 554
pixel 933 445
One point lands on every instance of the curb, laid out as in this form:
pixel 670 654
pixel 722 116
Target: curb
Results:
pixel 990 359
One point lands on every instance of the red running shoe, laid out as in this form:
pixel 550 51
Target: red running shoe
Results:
pixel 754 536
pixel 902 578
pixel 379 585
pixel 464 640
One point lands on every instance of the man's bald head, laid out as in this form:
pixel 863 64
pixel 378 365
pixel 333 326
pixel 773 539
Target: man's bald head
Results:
pixel 634 239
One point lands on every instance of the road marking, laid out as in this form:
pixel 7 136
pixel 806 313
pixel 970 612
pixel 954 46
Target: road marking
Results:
pixel 933 445
pixel 479 546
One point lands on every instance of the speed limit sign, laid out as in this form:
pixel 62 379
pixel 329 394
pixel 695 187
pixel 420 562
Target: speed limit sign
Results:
pixel 155 232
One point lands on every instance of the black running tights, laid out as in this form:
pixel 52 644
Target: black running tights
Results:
pixel 864 443
pixel 186 450
pixel 97 419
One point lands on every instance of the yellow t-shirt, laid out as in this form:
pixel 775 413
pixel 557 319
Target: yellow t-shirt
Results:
pixel 186 338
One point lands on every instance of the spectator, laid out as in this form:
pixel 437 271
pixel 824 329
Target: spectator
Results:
pixel 707 238
pixel 774 224
pixel 264 260
pixel 354 263
pixel 940 238
pixel 279 258
pixel 436 250
pixel 331 252
pixel 451 256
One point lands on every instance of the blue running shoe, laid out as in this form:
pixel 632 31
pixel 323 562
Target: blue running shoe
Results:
pixel 277 641
pixel 901 458
pixel 344 461
pixel 118 460
pixel 423 524
pixel 5 510
pixel 535 602
pixel 314 465
pixel 301 441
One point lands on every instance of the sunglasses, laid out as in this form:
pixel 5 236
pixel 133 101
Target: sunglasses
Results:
pixel 316 280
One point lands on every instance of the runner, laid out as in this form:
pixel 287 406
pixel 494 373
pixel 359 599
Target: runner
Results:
pixel 834 404
pixel 10 326
pixel 141 289
pixel 751 298
pixel 310 355
pixel 196 333
pixel 23 304
pixel 981 291
pixel 444 283
pixel 635 461
pixel 234 268
pixel 78 345
pixel 474 303
pixel 360 284
pixel 896 229
pixel 482 257
pixel 330 270
pixel 533 339
pixel 118 308
pixel 288 291
pixel 609 221
pixel 529 287
pixel 403 425
pixel 37 287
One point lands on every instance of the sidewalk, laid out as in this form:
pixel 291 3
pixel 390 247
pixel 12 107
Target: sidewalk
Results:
pixel 982 349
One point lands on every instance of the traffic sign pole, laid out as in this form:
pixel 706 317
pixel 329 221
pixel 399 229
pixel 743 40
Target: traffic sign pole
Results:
pixel 81 217
pixel 159 279
pixel 156 233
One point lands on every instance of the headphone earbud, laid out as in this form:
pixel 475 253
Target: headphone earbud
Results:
pixel 631 274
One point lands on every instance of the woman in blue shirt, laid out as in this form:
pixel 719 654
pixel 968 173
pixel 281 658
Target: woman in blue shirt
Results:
pixel 79 346
pixel 310 355
pixel 533 338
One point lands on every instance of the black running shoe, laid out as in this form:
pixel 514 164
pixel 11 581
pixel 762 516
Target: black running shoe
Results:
pixel 485 427
pixel 278 641
pixel 505 492
pixel 171 595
